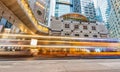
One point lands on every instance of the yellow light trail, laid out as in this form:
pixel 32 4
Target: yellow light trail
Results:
pixel 51 37
pixel 47 46
pixel 44 42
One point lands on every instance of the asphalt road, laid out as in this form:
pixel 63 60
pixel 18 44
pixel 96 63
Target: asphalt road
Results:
pixel 56 65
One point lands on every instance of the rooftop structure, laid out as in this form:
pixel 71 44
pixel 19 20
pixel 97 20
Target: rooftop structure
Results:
pixel 74 16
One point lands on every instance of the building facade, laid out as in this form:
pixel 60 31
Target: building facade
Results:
pixel 38 8
pixel 76 25
pixel 8 21
pixel 114 19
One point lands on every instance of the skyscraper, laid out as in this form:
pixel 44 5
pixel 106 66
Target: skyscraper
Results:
pixel 88 9
pixel 98 11
pixel 99 15
pixel 77 6
pixel 114 19
pixel 105 10
pixel 56 8
pixel 63 7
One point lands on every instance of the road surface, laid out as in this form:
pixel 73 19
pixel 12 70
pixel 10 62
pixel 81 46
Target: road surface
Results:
pixel 56 65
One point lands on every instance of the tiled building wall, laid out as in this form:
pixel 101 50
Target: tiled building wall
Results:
pixel 78 29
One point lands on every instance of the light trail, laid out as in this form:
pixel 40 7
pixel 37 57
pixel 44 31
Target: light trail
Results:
pixel 61 38
pixel 71 43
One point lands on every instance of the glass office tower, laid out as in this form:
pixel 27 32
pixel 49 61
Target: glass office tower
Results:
pixel 63 7
pixel 105 10
pixel 77 6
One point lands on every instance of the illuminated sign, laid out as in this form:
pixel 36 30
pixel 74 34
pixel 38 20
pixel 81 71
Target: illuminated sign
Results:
pixel 33 42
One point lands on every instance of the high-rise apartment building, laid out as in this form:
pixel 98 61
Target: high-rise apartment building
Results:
pixel 77 6
pixel 88 9
pixel 114 19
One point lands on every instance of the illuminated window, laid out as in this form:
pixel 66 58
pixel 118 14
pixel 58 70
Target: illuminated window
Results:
pixel 39 12
pixel 77 35
pixel 67 26
pixel 67 34
pixel 8 25
pixel 85 27
pixel 93 28
pixel 95 36
pixel 103 35
pixel 86 35
pixel 76 26
pixel 3 21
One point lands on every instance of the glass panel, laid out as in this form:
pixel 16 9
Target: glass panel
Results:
pixel 3 21
pixel 8 25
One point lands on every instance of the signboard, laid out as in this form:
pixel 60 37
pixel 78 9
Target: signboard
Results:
pixel 33 42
